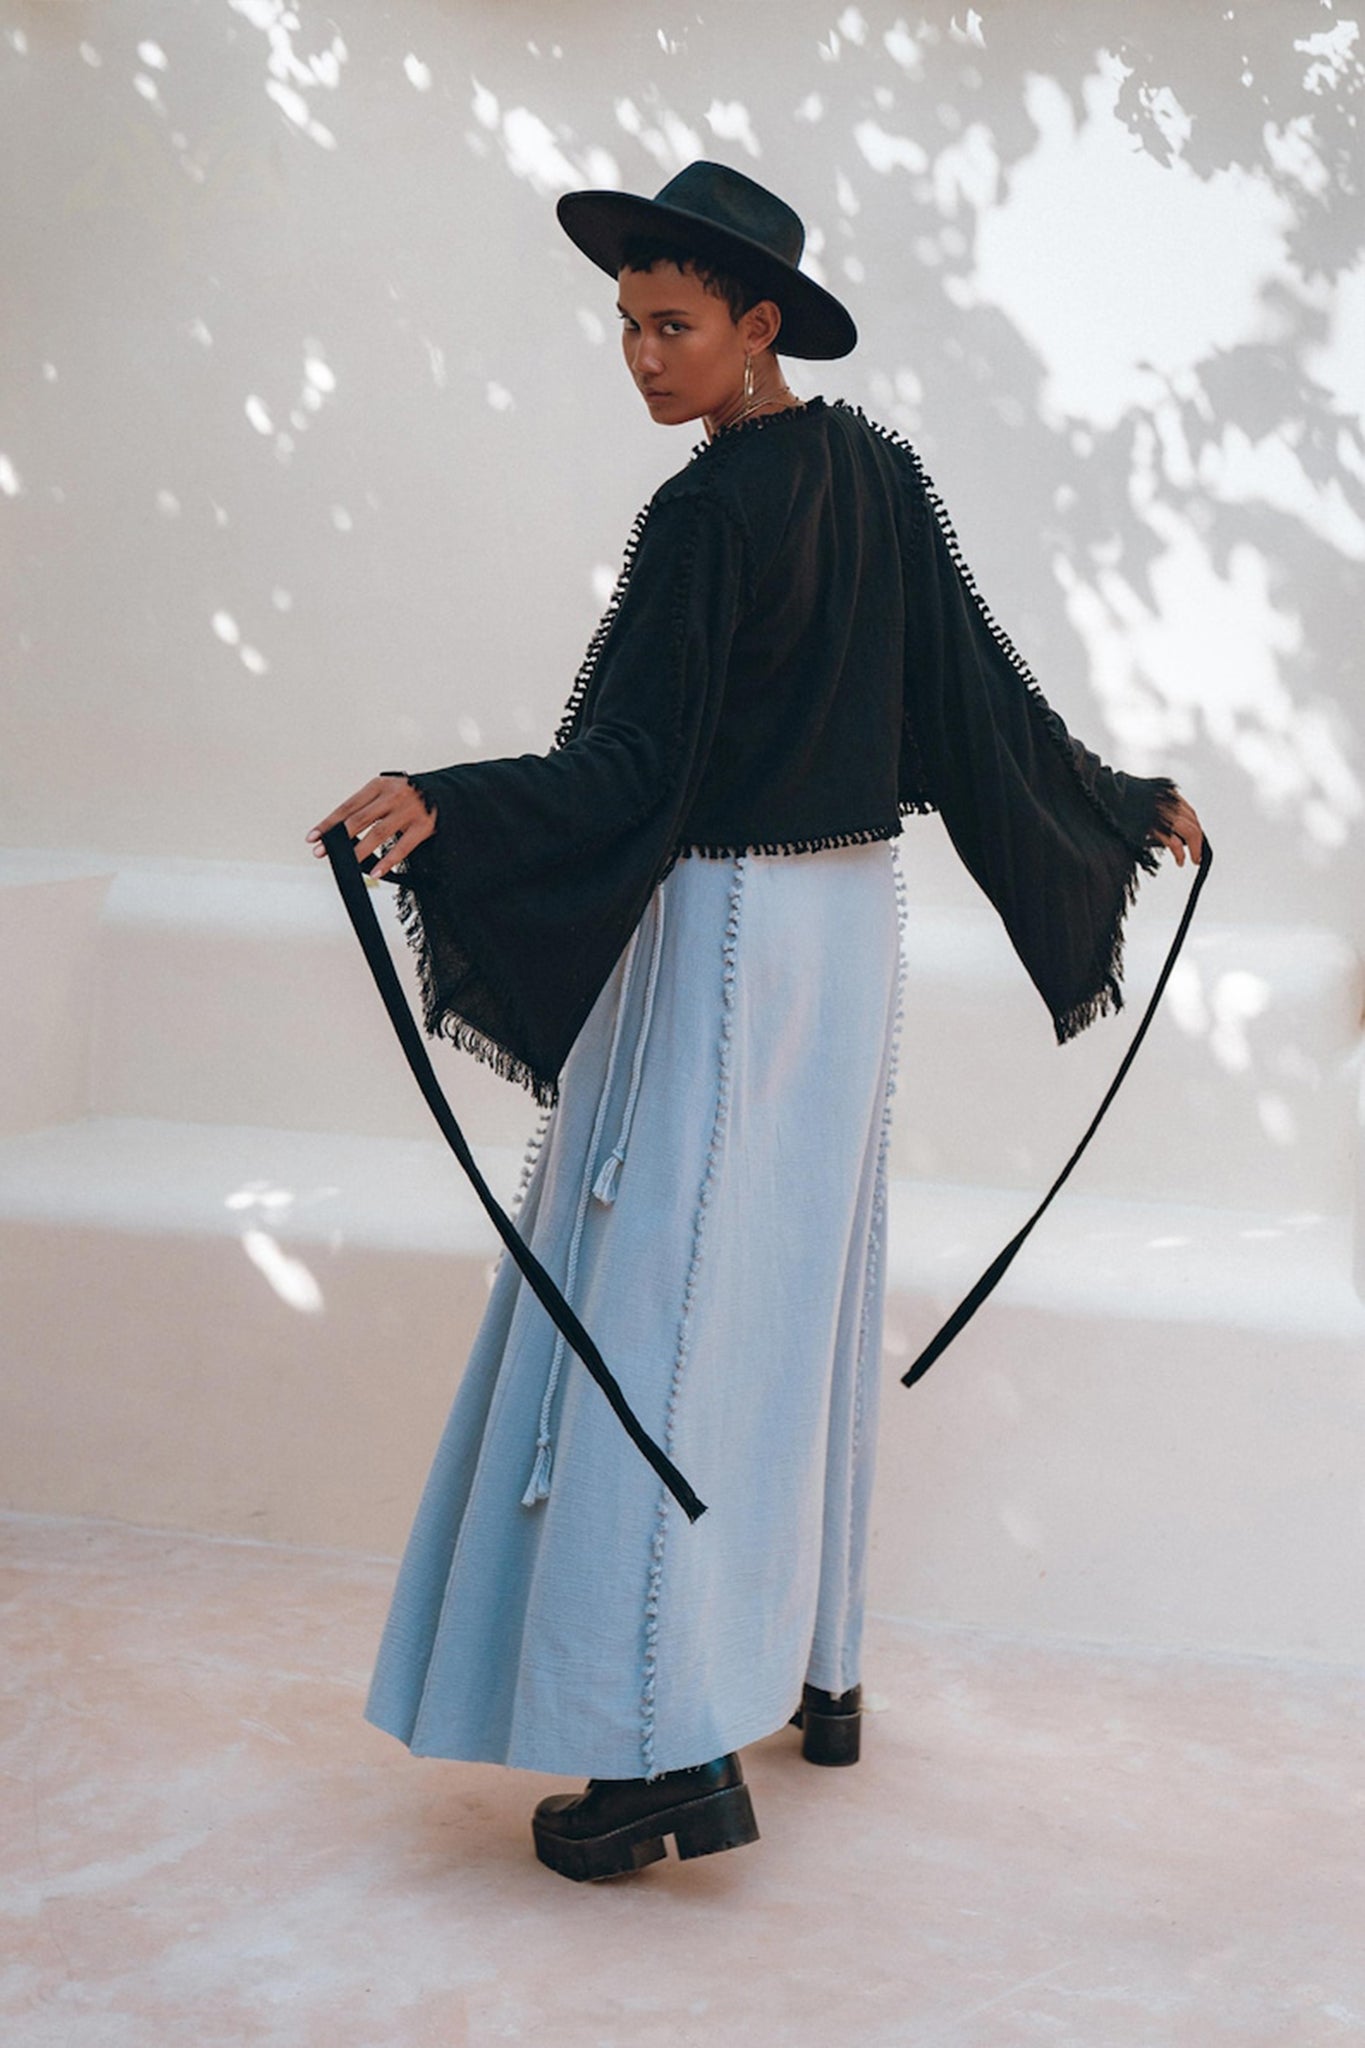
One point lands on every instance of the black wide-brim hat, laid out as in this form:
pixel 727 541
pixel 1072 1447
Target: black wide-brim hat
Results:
pixel 727 219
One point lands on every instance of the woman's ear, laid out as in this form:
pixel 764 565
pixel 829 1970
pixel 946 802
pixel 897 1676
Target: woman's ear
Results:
pixel 761 325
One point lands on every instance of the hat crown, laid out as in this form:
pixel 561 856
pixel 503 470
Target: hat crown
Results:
pixel 738 205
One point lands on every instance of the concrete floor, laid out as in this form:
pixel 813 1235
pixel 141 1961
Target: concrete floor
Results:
pixel 204 1845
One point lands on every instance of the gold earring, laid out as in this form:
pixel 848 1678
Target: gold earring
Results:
pixel 748 377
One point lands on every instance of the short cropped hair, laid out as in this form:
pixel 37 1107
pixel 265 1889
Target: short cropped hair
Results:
pixel 642 252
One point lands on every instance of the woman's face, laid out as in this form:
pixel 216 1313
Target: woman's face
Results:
pixel 681 346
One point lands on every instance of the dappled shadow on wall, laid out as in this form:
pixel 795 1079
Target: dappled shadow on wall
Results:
pixel 1138 249
pixel 288 1276
pixel 1107 263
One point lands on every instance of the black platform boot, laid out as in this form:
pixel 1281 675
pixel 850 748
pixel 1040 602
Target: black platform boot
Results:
pixel 830 1725
pixel 619 1824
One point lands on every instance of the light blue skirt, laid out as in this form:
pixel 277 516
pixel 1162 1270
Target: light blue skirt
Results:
pixel 710 1194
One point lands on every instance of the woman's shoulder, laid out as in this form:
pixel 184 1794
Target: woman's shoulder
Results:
pixel 763 459
pixel 782 461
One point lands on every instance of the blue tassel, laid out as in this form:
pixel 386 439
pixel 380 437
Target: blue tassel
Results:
pixel 538 1486
pixel 604 1187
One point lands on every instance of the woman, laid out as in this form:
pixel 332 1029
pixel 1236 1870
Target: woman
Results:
pixel 680 928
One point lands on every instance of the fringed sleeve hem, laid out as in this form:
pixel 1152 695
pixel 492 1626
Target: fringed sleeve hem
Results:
pixel 1105 997
pixel 450 984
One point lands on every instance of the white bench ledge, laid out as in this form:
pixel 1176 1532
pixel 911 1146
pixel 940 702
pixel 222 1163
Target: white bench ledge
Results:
pixel 1090 1255
pixel 144 1175
pixel 1130 1260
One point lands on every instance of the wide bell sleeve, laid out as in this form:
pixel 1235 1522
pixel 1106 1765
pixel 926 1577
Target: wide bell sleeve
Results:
pixel 520 904
pixel 1055 838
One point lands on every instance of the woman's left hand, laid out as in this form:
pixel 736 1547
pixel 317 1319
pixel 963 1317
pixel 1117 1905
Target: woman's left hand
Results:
pixel 387 808
pixel 1181 832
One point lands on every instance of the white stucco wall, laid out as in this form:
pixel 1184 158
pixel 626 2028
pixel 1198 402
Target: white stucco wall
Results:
pixel 316 453
pixel 316 456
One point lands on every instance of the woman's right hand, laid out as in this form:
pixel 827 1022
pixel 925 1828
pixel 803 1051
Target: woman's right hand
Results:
pixel 387 808
pixel 1179 830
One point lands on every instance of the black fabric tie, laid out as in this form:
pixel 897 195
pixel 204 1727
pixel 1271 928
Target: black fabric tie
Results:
pixel 349 875
pixel 1001 1263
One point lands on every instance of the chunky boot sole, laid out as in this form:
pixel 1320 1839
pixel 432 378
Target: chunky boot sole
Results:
pixel 699 1827
pixel 829 1738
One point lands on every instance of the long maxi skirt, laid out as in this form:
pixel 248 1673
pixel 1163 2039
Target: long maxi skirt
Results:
pixel 710 1194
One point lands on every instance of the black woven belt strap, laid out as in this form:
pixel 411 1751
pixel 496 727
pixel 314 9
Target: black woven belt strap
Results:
pixel 349 874
pixel 1001 1263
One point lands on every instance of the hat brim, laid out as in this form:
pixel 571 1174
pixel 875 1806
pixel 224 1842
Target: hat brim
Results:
pixel 814 324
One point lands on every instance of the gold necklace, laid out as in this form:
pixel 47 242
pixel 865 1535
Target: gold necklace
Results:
pixel 756 406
